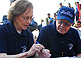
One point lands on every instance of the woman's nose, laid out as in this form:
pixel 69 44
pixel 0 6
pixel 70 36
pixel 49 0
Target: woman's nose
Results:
pixel 28 21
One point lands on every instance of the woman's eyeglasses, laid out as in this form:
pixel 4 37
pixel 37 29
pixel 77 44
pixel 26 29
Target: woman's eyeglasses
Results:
pixel 27 18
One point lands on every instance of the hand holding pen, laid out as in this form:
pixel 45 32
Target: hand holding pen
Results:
pixel 45 53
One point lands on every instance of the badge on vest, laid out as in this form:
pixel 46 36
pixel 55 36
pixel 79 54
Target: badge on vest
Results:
pixel 24 48
pixel 70 46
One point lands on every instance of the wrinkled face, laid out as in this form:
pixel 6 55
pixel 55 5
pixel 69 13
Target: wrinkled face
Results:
pixel 22 21
pixel 63 26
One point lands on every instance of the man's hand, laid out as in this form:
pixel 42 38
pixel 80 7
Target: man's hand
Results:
pixel 45 53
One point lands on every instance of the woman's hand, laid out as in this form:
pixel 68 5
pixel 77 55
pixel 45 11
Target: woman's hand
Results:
pixel 43 53
pixel 21 55
pixel 35 48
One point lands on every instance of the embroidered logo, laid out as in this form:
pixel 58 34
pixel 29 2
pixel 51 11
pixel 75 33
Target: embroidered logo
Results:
pixel 24 48
pixel 70 46
pixel 66 13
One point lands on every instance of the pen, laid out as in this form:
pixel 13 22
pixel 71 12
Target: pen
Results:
pixel 42 48
pixel 37 42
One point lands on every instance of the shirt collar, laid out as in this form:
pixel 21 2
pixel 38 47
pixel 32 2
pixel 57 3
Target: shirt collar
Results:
pixel 13 29
pixel 54 28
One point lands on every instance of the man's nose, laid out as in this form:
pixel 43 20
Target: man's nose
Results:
pixel 63 24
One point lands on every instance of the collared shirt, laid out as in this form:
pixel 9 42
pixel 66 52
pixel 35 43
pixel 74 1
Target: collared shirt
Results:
pixel 11 42
pixel 60 45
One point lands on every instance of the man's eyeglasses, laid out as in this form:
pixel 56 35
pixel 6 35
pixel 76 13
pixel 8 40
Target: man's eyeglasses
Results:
pixel 66 23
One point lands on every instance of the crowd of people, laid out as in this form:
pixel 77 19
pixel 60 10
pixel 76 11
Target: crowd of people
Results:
pixel 57 38
pixel 77 9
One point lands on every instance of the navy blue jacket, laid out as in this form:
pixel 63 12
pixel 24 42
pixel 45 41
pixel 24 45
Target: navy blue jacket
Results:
pixel 60 45
pixel 11 42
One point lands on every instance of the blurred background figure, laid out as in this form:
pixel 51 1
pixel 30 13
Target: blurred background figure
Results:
pixel 11 1
pixel 69 5
pixel 55 16
pixel 49 20
pixel 77 25
pixel 48 17
pixel 33 25
pixel 41 25
pixel 76 11
pixel 61 5
pixel 5 20
pixel 35 34
pixel 78 6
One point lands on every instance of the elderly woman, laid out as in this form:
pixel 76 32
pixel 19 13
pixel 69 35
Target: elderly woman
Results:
pixel 15 40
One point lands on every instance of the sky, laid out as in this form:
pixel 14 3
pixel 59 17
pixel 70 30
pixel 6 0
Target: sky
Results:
pixel 4 6
pixel 41 8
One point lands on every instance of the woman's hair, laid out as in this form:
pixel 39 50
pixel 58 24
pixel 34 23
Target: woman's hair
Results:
pixel 17 8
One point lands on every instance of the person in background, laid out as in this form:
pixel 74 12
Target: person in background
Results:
pixel 78 6
pixel 55 16
pixel 61 5
pixel 69 5
pixel 50 21
pixel 40 26
pixel 60 38
pixel 47 22
pixel 11 1
pixel 76 12
pixel 77 25
pixel 5 20
pixel 15 40
pixel 33 25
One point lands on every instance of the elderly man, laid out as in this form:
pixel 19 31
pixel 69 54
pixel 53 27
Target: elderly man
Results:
pixel 60 38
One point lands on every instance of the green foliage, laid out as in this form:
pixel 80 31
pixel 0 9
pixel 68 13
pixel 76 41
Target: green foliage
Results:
pixel 79 0
pixel 65 0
